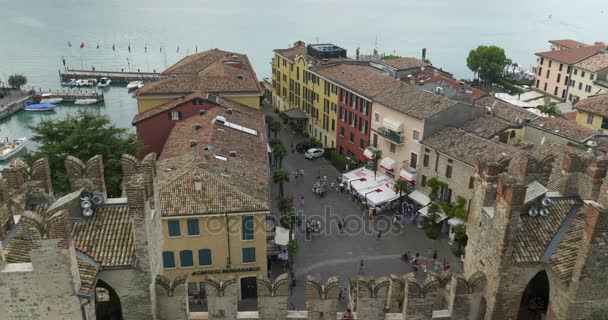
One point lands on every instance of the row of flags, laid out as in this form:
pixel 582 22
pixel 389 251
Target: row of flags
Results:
pixel 128 47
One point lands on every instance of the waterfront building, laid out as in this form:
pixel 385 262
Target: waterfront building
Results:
pixel 593 112
pixel 225 74
pixel 589 77
pixel 296 85
pixel 214 197
pixel 554 68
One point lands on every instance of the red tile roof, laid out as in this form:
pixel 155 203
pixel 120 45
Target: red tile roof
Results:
pixel 213 70
pixel 363 79
pixel 428 76
pixel 563 127
pixel 572 55
pixel 595 63
pixel 595 104
pixel 293 52
pixel 404 63
pixel 568 43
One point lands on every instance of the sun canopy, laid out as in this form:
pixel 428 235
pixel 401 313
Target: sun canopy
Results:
pixel 455 221
pixel 419 197
pixel 440 215
pixel 392 124
pixel 281 236
pixel 368 153
pixel 364 185
pixel 383 193
pixel 296 114
pixel 388 164
pixel 407 176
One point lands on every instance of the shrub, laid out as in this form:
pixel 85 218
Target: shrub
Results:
pixel 276 110
pixel 457 252
pixel 337 160
pixel 431 232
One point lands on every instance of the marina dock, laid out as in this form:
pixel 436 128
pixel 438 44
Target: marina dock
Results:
pixel 12 104
pixel 75 94
pixel 115 76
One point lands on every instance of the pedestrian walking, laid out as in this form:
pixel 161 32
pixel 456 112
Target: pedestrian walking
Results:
pixel 435 255
pixel 395 220
pixel 409 257
pixel 302 201
pixel 340 295
pixel 339 226
pixel 333 186
pixel 425 264
pixel 379 235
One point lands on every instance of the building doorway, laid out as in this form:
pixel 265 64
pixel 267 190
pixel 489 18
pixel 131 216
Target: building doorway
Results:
pixel 249 288
pixel 107 302
pixel 535 299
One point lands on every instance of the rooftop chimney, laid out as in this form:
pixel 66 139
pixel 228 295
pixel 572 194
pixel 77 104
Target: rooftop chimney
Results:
pixel 423 54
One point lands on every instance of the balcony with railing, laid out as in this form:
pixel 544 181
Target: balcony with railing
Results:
pixel 392 136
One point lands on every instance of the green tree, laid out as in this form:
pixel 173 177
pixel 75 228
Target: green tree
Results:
pixel 508 63
pixel 376 156
pixel 434 184
pixel 433 212
pixel 456 211
pixel 280 152
pixel 460 234
pixel 268 119
pixel 17 80
pixel 550 109
pixel 82 136
pixel 514 65
pixel 292 249
pixel 280 176
pixel 401 187
pixel 275 127
pixel 487 62
pixel 285 205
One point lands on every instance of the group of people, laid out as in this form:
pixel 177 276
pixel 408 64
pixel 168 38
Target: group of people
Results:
pixel 417 261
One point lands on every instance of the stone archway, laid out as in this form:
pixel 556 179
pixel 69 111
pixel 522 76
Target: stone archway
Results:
pixel 535 298
pixel 107 302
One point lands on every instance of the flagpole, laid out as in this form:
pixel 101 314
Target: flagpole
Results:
pixel 165 54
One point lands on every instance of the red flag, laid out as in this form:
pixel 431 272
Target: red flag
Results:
pixel 113 47
pixel 82 45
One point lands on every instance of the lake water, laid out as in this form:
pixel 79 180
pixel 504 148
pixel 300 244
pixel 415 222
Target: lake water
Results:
pixel 35 34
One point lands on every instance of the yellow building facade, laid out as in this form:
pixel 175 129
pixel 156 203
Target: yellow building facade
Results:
pixel 296 85
pixel 590 120
pixel 218 245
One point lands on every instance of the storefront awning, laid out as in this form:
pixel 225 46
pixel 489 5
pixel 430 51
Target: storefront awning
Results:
pixel 455 221
pixel 296 114
pixel 368 153
pixel 388 164
pixel 384 193
pixel 281 236
pixel 419 197
pixel 392 125
pixel 407 176
pixel 268 148
pixel 440 215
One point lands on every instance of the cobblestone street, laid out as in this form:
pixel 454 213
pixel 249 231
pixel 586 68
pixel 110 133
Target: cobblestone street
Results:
pixel 331 253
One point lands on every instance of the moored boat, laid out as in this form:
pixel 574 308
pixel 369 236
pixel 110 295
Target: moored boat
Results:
pixel 104 82
pixel 86 101
pixel 68 82
pixel 40 107
pixel 51 100
pixel 134 85
pixel 10 148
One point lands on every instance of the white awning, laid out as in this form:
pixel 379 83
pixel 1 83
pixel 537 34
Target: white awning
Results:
pixel 384 193
pixel 368 153
pixel 388 164
pixel 419 197
pixel 407 176
pixel 269 148
pixel 455 221
pixel 365 185
pixel 281 236
pixel 392 125
pixel 440 215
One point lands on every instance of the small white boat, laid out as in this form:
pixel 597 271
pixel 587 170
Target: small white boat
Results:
pixel 79 83
pixel 68 82
pixel 104 82
pixel 140 85
pixel 47 94
pixel 86 101
pixel 134 85
pixel 51 100
pixel 10 148
pixel 40 107
pixel 91 82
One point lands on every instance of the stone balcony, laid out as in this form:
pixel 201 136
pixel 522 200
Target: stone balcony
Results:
pixel 390 135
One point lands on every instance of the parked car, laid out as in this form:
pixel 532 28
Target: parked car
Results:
pixel 314 153
pixel 304 145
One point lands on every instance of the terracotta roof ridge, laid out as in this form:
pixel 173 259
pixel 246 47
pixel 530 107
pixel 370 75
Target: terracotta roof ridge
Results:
pixel 237 189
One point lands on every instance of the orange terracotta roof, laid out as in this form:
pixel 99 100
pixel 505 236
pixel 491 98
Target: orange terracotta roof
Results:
pixel 563 127
pixel 428 76
pixel 595 63
pixel 293 52
pixel 413 101
pixel 404 63
pixel 572 55
pixel 231 183
pixel 213 70
pixel 505 110
pixel 363 79
pixel 568 43
pixel 595 104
